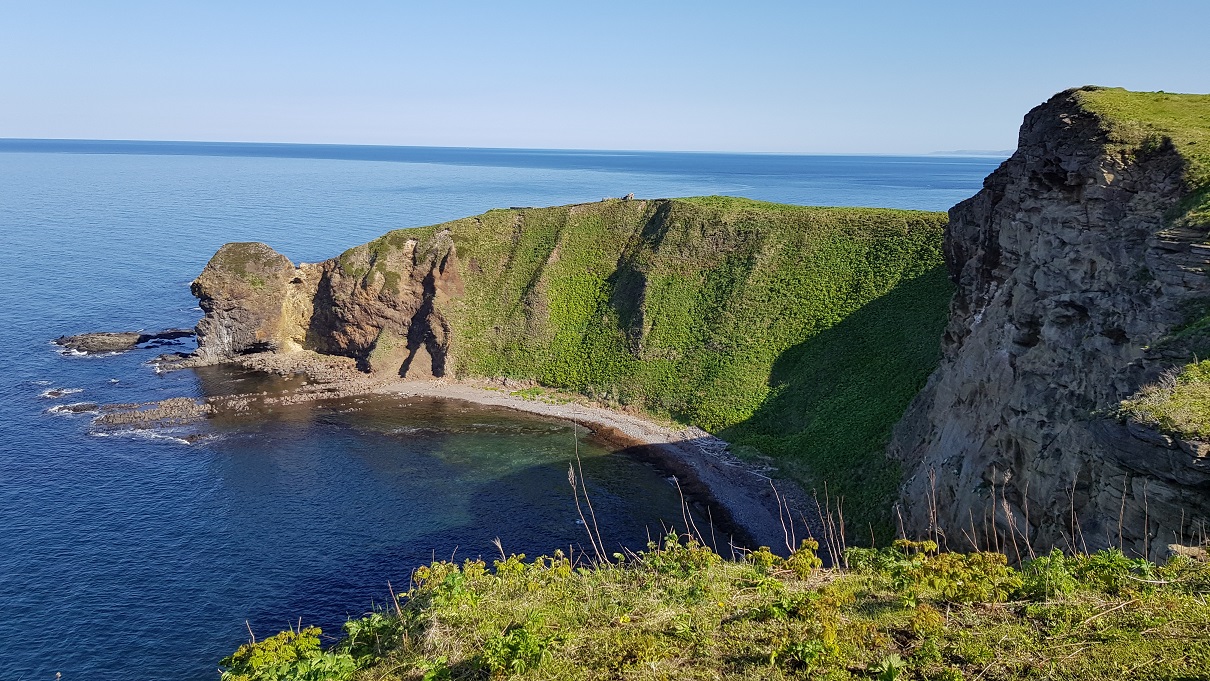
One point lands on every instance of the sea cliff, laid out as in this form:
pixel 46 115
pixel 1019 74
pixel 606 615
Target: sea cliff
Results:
pixel 1081 273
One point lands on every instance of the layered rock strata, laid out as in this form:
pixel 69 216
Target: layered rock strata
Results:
pixel 1074 275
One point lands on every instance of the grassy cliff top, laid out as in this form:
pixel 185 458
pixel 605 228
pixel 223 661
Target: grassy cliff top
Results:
pixel 680 611
pixel 1143 121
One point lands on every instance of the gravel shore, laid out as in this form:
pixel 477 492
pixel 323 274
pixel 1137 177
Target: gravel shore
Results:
pixel 739 496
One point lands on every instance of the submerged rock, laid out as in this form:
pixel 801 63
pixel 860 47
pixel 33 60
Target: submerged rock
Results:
pixel 76 408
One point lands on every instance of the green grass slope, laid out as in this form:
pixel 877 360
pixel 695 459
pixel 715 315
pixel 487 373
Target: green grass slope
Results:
pixel 799 333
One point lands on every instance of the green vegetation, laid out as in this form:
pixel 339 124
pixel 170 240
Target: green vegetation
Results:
pixel 678 610
pixel 1179 403
pixel 294 655
pixel 246 259
pixel 836 396
pixel 798 333
pixel 1144 122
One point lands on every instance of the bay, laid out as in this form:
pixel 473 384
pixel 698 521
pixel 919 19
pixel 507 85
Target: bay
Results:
pixel 133 556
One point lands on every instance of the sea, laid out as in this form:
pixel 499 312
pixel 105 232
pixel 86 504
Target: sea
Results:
pixel 136 554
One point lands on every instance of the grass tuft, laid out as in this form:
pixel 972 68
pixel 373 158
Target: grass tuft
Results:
pixel 1179 403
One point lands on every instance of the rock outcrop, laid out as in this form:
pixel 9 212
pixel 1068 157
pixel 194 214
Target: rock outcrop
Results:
pixel 379 304
pixel 121 341
pixel 247 291
pixel 1075 265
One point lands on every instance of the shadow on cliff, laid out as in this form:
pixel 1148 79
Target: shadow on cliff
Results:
pixel 836 396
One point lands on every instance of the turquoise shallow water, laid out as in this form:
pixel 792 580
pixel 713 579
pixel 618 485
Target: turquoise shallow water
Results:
pixel 130 556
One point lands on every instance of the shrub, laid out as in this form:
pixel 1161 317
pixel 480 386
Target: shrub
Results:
pixel 1112 573
pixel 674 558
pixel 1047 577
pixel 804 561
pixel 287 656
pixel 515 650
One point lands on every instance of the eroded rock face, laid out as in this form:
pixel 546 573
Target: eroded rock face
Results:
pixel 243 291
pixel 1069 277
pixel 382 304
pixel 379 303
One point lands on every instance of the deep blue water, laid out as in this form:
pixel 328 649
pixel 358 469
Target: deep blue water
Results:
pixel 131 556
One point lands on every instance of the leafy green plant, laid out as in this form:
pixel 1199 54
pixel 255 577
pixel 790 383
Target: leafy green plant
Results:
pixel 804 561
pixel 434 670
pixel 979 577
pixel 372 636
pixel 1047 577
pixel 764 560
pixel 516 649
pixel 287 656
pixel 1112 572
pixel 926 621
pixel 800 655
pixel 889 669
pixel 671 557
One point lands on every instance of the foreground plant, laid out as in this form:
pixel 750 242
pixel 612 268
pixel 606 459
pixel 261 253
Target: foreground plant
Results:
pixel 679 610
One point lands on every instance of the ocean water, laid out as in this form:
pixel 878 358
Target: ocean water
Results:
pixel 140 556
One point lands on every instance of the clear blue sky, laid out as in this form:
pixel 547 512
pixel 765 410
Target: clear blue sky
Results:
pixel 844 76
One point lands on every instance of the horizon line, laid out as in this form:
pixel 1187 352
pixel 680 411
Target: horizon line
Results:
pixel 979 153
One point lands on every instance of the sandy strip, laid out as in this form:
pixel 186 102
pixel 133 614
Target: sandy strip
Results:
pixel 740 497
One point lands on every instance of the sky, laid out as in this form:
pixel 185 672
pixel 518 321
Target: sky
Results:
pixel 793 77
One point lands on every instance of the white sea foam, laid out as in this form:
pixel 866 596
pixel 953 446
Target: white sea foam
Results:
pixel 73 409
pixel 72 352
pixel 416 430
pixel 56 393
pixel 142 434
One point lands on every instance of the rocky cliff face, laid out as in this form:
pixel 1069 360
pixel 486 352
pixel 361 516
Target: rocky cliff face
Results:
pixel 381 306
pixel 1073 272
pixel 243 290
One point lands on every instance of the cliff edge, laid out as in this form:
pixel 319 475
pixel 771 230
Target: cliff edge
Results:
pixel 1081 272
